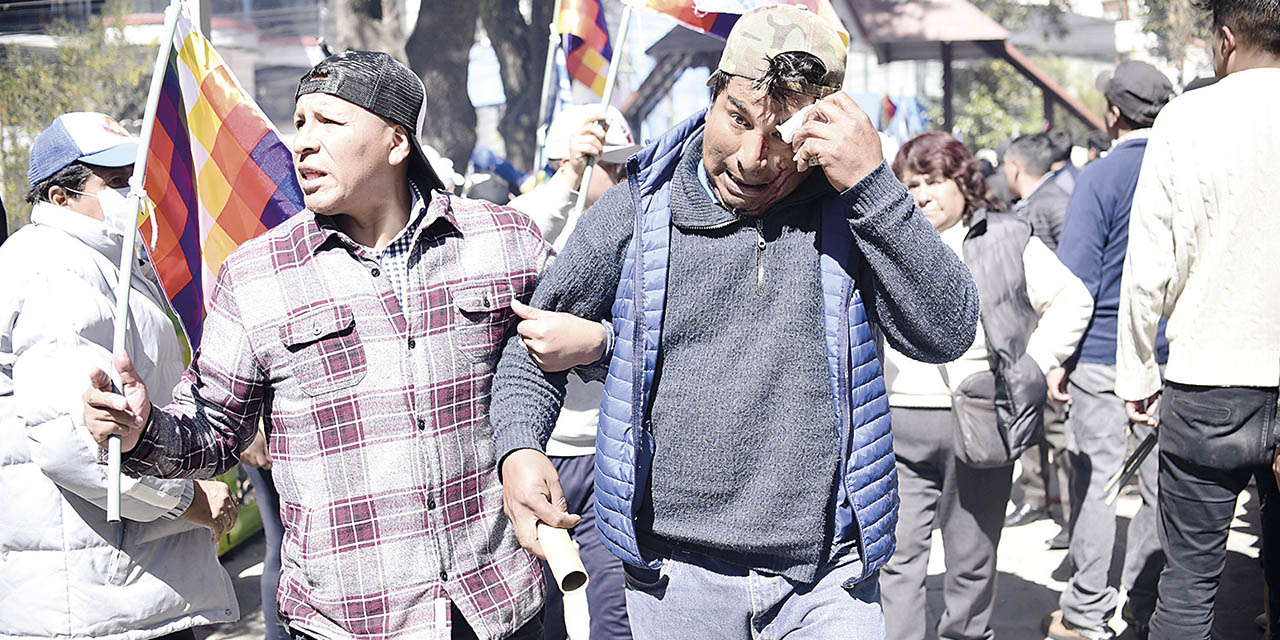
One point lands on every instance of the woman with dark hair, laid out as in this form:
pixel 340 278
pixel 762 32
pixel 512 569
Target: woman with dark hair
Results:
pixel 1033 311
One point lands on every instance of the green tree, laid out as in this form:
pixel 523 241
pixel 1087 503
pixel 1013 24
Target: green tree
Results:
pixel 1179 27
pixel 91 68
pixel 994 101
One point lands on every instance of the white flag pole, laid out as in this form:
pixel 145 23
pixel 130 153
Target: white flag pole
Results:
pixel 548 72
pixel 604 101
pixel 123 285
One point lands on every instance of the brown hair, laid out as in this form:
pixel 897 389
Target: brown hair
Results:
pixel 938 154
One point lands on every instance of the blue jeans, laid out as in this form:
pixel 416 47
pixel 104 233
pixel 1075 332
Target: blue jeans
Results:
pixel 696 596
pixel 1213 442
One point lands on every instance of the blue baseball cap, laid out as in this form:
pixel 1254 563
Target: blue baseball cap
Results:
pixel 91 138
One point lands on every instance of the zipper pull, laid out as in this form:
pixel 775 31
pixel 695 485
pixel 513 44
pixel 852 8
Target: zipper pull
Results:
pixel 760 245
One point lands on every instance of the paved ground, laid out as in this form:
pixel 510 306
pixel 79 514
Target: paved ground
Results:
pixel 1027 588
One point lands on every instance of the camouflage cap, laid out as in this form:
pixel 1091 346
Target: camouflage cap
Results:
pixel 764 32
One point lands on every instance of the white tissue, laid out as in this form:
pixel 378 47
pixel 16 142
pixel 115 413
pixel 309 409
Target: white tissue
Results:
pixel 788 129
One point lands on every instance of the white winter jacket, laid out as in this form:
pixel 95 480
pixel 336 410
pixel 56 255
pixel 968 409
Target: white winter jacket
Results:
pixel 64 571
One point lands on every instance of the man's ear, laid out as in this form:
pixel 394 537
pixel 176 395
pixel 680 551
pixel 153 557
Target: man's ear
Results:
pixel 60 196
pixel 401 145
pixel 1227 43
pixel 1113 114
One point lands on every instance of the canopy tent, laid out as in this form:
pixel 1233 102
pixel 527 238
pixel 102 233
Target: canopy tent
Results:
pixel 943 30
pixel 950 29
pixel 1068 34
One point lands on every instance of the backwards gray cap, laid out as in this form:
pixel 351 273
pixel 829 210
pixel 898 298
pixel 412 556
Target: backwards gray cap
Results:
pixel 378 83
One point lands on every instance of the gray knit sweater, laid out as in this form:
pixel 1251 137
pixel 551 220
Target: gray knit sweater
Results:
pixel 742 417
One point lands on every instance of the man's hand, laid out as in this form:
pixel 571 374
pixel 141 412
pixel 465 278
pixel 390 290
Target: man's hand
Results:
pixel 838 136
pixel 588 142
pixel 559 341
pixel 124 414
pixel 213 508
pixel 1057 380
pixel 1143 411
pixel 256 455
pixel 531 494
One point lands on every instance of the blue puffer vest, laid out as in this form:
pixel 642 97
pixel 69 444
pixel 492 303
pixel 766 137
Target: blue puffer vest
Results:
pixel 866 500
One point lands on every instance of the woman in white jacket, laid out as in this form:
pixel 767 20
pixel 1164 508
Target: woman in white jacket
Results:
pixel 65 571
pixel 937 489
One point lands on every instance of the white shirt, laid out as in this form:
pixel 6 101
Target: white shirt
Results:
pixel 550 206
pixel 1204 242
pixel 1058 297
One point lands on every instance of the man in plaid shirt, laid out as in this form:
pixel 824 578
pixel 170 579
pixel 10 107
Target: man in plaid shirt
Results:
pixel 364 332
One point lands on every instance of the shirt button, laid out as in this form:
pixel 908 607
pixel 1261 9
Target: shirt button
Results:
pixel 431 502
pixel 444 575
pixel 412 343
pixel 376 272
pixel 422 424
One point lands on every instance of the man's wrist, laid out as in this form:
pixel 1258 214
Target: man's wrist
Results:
pixel 606 352
pixel 142 447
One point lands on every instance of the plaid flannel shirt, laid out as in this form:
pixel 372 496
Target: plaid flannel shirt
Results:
pixel 377 415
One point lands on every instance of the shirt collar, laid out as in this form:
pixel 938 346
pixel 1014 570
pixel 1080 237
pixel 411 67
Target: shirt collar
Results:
pixel 422 215
pixel 705 181
pixel 1136 134
pixel 1047 177
pixel 417 211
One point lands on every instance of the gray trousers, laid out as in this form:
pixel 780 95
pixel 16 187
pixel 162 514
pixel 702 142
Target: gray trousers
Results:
pixel 967 504
pixel 1043 461
pixel 1097 434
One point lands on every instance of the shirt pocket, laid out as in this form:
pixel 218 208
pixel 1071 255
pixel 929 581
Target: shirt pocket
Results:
pixel 324 347
pixel 482 313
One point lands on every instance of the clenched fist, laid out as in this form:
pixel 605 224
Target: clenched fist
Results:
pixel 124 414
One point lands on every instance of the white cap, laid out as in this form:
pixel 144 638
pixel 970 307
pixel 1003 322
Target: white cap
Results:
pixel 618 142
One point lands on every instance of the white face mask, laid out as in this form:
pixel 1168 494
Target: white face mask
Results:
pixel 117 214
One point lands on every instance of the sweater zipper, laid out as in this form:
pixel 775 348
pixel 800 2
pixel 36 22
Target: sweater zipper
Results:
pixel 760 246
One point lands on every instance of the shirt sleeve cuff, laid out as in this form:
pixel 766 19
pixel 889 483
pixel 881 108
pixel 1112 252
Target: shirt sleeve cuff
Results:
pixel 508 442
pixel 184 503
pixel 144 448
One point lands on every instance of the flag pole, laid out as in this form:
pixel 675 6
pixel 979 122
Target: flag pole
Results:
pixel 123 285
pixel 548 72
pixel 604 102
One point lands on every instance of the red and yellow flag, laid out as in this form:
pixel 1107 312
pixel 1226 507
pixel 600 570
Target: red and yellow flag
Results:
pixel 587 50
pixel 717 17
pixel 217 173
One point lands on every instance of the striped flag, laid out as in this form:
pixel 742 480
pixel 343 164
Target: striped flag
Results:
pixel 217 174
pixel 587 49
pixel 717 17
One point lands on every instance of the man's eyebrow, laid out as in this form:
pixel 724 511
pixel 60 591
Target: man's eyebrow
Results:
pixel 739 105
